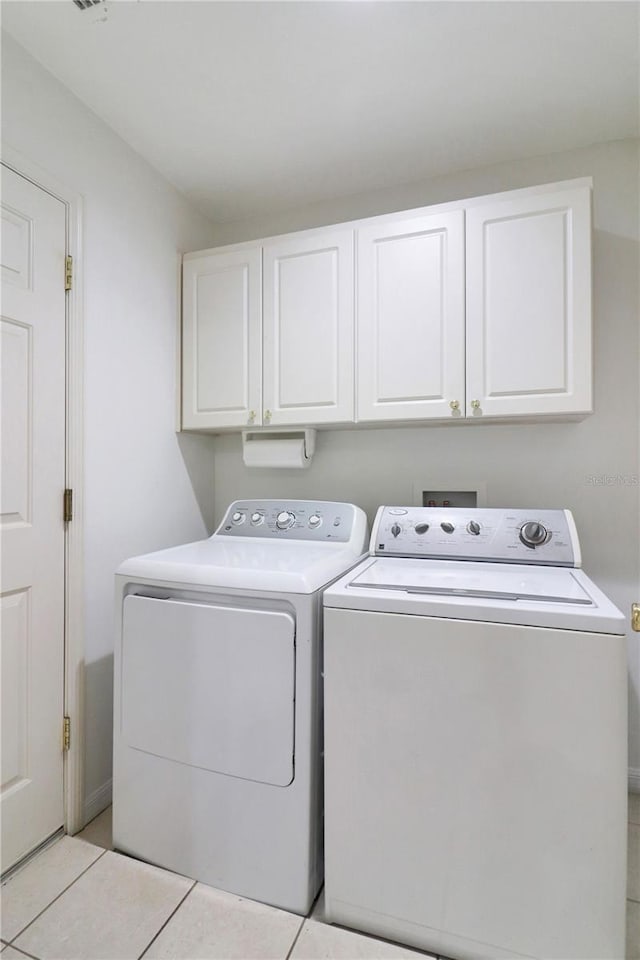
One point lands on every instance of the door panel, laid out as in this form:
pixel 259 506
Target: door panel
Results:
pixel 17 356
pixel 410 329
pixel 15 720
pixel 222 340
pixel 210 686
pixel 308 329
pixel 529 305
pixel 32 528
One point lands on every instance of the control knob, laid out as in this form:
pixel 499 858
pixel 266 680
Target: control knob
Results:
pixel 447 527
pixel 533 534
pixel 284 520
pixel 396 529
pixel 421 527
pixel 238 517
pixel 473 528
pixel 256 518
pixel 315 521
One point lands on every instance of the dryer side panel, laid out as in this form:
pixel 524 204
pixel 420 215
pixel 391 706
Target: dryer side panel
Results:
pixel 210 686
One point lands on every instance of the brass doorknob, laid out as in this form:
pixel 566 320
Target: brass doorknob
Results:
pixel 475 404
pixel 267 416
pixel 454 404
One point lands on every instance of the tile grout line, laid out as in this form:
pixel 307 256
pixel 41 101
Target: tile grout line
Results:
pixel 304 920
pixel 171 915
pixel 22 952
pixel 62 892
pixel 296 938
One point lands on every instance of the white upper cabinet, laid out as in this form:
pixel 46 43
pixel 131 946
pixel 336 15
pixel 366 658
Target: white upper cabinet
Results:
pixel 308 315
pixel 410 328
pixel 465 311
pixel 221 339
pixel 529 304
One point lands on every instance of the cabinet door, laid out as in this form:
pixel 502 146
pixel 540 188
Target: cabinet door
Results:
pixel 221 334
pixel 308 329
pixel 529 305
pixel 410 327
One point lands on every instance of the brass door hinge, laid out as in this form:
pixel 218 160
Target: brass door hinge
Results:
pixel 66 733
pixel 68 273
pixel 635 617
pixel 67 505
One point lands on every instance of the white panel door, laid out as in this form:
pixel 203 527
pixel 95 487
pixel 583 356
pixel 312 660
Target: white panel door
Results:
pixel 308 329
pixel 529 305
pixel 410 326
pixel 221 693
pixel 32 527
pixel 221 360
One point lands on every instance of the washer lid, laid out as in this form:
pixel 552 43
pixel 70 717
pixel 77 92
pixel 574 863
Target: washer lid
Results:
pixel 463 579
pixel 554 597
pixel 290 566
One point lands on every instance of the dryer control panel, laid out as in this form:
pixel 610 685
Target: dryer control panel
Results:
pixel 542 537
pixel 319 520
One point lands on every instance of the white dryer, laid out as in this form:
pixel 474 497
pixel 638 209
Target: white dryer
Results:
pixel 476 739
pixel 218 699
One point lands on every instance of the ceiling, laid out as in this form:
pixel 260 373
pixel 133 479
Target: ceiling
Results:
pixel 254 107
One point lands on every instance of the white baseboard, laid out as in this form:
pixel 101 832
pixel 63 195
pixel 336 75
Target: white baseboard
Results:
pixel 100 799
pixel 634 779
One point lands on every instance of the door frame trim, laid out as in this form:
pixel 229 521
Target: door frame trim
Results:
pixel 73 761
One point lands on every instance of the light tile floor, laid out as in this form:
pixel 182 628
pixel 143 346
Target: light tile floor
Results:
pixel 99 831
pixel 78 900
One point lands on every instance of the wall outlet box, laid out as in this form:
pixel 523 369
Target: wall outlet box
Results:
pixel 431 494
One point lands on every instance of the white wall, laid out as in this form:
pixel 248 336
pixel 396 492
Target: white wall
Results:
pixel 145 487
pixel 546 465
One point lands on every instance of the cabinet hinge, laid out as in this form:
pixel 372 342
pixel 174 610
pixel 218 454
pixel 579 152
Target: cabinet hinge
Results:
pixel 635 617
pixel 67 505
pixel 66 733
pixel 68 273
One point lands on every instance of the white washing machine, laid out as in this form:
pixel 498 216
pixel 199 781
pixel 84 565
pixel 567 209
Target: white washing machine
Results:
pixel 476 739
pixel 218 699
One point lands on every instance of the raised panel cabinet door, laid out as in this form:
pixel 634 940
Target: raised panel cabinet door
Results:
pixel 308 329
pixel 410 321
pixel 221 340
pixel 529 305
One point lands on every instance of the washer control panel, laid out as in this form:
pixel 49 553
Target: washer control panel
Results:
pixel 289 520
pixel 543 537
